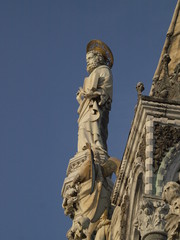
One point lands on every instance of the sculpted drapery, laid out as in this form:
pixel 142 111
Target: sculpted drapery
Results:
pixel 95 101
pixel 95 205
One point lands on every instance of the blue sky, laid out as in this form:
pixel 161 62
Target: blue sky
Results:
pixel 42 64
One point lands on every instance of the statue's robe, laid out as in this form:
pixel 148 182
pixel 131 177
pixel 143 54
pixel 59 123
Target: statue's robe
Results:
pixel 94 117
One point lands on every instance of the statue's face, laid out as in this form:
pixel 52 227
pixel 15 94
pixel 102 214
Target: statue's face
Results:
pixel 171 191
pixel 92 61
pixel 176 206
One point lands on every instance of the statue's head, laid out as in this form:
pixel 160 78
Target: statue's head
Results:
pixel 171 191
pixel 98 53
pixel 94 59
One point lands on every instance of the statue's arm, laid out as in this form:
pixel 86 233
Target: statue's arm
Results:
pixel 93 93
pixel 101 85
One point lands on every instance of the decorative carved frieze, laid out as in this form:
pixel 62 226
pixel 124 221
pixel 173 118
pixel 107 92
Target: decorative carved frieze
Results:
pixel 100 156
pixel 165 137
pixel 115 195
pixel 151 216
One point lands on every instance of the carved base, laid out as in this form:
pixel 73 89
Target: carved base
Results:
pixel 71 193
pixel 75 162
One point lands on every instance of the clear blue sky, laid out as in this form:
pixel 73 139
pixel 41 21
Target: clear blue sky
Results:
pixel 42 64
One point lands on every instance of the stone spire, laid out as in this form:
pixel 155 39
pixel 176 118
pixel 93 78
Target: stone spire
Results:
pixel 166 80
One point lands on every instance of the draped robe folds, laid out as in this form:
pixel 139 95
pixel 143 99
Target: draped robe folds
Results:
pixel 93 205
pixel 94 117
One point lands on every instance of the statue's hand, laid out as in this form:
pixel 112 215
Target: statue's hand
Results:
pixel 92 94
pixel 88 94
pixel 80 95
pixel 80 92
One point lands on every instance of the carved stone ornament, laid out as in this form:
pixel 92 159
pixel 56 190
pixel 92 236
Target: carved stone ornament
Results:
pixel 142 148
pixel 165 137
pixel 100 156
pixel 70 201
pixel 139 88
pixel 87 198
pixel 168 87
pixel 171 194
pixel 78 229
pixel 151 217
pixel 120 177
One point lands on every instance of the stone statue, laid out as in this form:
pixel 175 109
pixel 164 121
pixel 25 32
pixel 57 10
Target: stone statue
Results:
pixel 171 195
pixel 95 97
pixel 88 187
pixel 94 193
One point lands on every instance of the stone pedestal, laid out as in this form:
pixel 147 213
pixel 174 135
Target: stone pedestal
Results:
pixel 70 193
pixel 75 162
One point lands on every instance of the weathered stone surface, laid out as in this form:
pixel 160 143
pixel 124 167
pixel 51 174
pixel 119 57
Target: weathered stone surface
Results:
pixel 87 197
pixel 150 219
pixel 75 162
pixel 120 220
pixel 166 81
pixel 171 194
pixel 165 137
pixel 142 148
pixel 139 88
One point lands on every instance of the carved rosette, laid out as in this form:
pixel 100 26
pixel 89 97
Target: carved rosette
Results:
pixel 151 217
pixel 165 137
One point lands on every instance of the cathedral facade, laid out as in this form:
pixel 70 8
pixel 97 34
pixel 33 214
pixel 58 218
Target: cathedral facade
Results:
pixel 144 203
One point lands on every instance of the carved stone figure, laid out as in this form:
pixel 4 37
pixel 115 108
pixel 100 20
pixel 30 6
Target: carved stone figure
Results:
pixel 95 97
pixel 77 231
pixel 94 193
pixel 171 194
pixel 69 201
